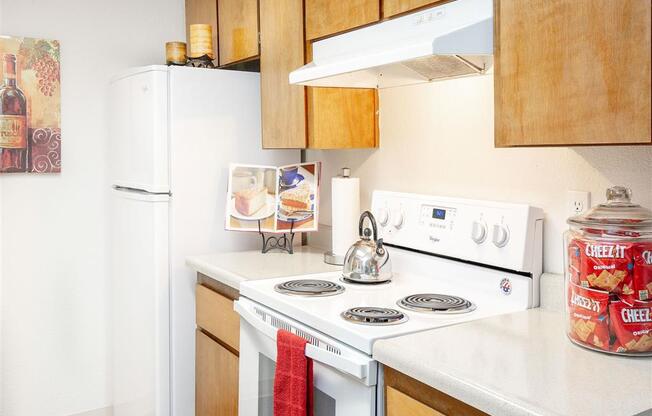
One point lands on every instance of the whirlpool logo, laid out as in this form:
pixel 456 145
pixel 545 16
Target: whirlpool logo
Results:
pixel 506 286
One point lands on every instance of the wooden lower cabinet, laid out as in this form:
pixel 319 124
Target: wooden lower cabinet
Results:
pixel 216 378
pixel 405 396
pixel 216 349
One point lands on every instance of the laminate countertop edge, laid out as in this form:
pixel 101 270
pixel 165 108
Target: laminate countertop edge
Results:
pixel 233 268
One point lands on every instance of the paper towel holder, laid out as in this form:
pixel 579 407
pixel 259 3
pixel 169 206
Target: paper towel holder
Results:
pixel 329 256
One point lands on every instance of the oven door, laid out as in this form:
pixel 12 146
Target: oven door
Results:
pixel 344 378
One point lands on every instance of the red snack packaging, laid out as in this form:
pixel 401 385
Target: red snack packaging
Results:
pixel 607 266
pixel 574 260
pixel 632 324
pixel 588 320
pixel 642 281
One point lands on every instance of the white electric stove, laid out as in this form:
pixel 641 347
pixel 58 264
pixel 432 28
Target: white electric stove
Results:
pixel 454 260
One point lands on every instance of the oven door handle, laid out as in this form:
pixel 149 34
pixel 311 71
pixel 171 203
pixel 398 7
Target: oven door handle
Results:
pixel 358 368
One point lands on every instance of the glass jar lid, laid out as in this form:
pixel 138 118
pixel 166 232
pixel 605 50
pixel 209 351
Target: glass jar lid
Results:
pixel 618 211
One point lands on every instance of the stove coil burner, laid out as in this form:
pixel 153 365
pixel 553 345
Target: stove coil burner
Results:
pixel 436 303
pixel 309 287
pixel 368 315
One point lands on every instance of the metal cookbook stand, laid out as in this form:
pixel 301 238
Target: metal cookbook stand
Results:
pixel 278 242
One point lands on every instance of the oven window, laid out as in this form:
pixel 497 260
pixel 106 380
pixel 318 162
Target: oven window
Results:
pixel 324 404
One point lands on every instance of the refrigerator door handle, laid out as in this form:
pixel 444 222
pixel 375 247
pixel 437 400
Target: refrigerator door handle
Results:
pixel 138 191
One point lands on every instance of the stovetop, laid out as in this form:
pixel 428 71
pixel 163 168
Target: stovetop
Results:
pixel 497 252
pixel 484 288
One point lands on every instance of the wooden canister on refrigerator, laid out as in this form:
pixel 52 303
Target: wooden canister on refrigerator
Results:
pixel 175 53
pixel 201 41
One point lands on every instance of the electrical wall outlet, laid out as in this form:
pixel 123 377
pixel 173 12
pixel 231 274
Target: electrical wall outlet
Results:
pixel 578 202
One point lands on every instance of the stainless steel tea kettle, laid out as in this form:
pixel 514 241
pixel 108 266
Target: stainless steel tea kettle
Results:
pixel 367 260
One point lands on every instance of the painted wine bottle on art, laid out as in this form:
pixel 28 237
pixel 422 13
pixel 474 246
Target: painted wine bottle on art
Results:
pixel 13 120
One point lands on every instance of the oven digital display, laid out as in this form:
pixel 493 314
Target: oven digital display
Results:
pixel 439 213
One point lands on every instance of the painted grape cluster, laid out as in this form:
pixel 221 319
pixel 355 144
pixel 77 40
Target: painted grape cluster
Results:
pixel 42 56
pixel 47 72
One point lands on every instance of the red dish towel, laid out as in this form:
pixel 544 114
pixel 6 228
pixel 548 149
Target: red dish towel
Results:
pixel 293 377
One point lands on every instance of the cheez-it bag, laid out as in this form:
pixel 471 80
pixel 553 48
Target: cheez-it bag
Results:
pixel 588 310
pixel 642 281
pixel 606 266
pixel 574 260
pixel 632 324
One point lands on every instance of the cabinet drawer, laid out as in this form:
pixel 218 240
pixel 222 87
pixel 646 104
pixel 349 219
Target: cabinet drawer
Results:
pixel 215 315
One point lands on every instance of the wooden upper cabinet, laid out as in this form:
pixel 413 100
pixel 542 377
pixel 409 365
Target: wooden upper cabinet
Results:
pixel 394 7
pixel 572 72
pixel 342 118
pixel 283 107
pixel 202 12
pixel 238 30
pixel 328 17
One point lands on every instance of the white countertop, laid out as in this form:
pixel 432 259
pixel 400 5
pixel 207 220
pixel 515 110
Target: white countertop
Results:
pixel 233 268
pixel 521 364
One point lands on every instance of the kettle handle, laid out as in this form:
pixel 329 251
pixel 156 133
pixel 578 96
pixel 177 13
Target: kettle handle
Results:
pixel 372 220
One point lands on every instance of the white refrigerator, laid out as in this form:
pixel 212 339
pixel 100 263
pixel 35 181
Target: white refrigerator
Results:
pixel 173 133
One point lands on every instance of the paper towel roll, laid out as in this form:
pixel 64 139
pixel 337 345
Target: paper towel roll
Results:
pixel 345 193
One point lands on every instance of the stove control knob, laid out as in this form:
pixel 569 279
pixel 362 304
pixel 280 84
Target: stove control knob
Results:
pixel 397 217
pixel 383 216
pixel 501 235
pixel 479 232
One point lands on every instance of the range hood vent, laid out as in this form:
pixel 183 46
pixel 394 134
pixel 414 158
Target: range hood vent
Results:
pixel 447 41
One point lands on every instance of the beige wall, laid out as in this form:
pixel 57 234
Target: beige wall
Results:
pixel 438 139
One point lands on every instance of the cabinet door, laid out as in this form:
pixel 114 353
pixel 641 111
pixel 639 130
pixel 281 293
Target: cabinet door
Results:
pixel 327 17
pixel 394 7
pixel 203 12
pixel 572 72
pixel 342 118
pixel 281 51
pixel 216 378
pixel 399 404
pixel 238 30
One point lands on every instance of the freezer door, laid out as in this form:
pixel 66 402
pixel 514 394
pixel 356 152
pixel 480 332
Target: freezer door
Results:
pixel 139 130
pixel 140 299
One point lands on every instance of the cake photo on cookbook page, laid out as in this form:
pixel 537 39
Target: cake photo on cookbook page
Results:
pixel 273 199
pixel 298 188
pixel 251 198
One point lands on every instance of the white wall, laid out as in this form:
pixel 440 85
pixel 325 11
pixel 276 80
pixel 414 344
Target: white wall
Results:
pixel 438 139
pixel 54 229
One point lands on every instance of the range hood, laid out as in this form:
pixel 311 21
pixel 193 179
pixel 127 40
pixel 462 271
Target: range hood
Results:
pixel 447 41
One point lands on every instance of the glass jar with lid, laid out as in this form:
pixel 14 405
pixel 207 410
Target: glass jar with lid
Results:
pixel 608 261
